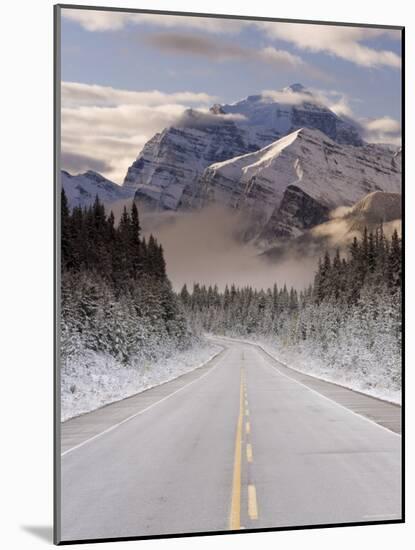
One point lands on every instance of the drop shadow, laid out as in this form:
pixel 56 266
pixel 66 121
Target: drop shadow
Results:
pixel 43 532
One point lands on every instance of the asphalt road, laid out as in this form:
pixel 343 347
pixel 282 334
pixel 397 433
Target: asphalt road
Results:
pixel 240 443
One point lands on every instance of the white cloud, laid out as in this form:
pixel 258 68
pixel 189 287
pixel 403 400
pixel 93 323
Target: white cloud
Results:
pixel 385 124
pixel 280 57
pixel 336 101
pixel 100 122
pixel 78 94
pixel 342 108
pixel 288 97
pixel 95 20
pixel 104 126
pixel 343 42
pixel 373 130
pixel 376 130
pixel 382 130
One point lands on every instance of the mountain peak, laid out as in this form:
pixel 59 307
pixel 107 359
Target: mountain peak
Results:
pixel 296 88
pixel 96 177
pixel 93 174
pixel 82 189
pixel 279 112
pixel 167 171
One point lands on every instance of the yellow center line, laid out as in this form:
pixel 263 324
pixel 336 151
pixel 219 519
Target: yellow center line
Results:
pixel 235 515
pixel 249 455
pixel 252 503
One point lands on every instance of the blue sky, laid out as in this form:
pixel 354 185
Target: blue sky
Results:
pixel 356 71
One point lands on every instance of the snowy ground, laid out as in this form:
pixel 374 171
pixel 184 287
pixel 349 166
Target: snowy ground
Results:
pixel 375 383
pixel 93 380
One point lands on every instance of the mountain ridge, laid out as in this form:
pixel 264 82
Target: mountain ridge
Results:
pixel 327 172
pixel 289 109
pixel 247 156
pixel 170 163
pixel 82 189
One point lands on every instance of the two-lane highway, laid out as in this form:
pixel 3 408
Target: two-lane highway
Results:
pixel 236 444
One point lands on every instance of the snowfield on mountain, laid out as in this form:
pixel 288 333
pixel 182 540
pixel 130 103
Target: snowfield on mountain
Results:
pixel 331 174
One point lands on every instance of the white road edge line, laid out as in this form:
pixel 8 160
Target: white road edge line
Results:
pixel 315 391
pixel 308 374
pixel 114 426
pixel 335 402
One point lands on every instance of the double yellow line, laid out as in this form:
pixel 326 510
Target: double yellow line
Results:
pixel 235 514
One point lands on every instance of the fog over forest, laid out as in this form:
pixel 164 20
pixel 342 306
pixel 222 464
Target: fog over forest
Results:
pixel 207 247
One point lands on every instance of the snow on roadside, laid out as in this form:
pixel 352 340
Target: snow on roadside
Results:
pixel 95 379
pixel 374 384
pixel 370 384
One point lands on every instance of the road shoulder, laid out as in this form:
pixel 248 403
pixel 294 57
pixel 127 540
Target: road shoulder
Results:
pixel 80 429
pixel 384 413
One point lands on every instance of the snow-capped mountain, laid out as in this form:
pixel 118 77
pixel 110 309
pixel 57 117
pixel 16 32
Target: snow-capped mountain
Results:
pixel 168 167
pixel 82 189
pixel 325 174
pixel 277 114
pixel 283 158
pixel 166 171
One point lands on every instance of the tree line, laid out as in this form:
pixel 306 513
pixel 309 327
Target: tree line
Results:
pixel 116 299
pixel 372 265
pixel 115 295
pixel 90 240
pixel 373 262
pixel 348 318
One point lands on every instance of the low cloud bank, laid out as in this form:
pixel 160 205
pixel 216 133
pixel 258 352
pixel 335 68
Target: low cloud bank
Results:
pixel 207 247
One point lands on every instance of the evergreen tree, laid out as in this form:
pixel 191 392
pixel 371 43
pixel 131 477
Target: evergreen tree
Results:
pixel 136 252
pixel 116 297
pixel 66 241
pixel 185 296
pixel 395 263
pixel 337 286
pixel 371 253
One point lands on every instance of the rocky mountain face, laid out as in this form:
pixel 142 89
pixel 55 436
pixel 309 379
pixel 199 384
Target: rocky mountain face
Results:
pixel 82 189
pixel 397 160
pixel 328 174
pixel 166 172
pixel 375 209
pixel 372 211
pixel 296 213
pixel 283 159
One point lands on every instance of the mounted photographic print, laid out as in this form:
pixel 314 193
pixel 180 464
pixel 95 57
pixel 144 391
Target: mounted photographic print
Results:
pixel 228 274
